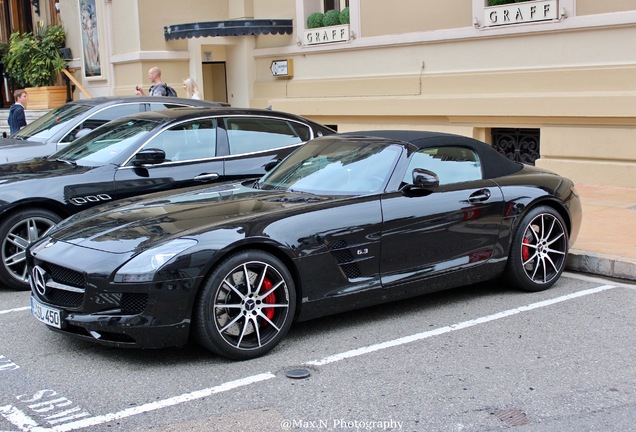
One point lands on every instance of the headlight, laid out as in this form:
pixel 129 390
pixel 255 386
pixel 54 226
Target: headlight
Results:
pixel 143 267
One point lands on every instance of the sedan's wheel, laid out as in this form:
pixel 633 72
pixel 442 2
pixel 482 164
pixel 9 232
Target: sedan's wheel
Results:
pixel 246 306
pixel 539 250
pixel 17 232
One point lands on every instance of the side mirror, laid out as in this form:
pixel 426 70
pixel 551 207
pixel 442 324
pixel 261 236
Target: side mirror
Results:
pixel 80 133
pixel 149 156
pixel 425 179
pixel 268 166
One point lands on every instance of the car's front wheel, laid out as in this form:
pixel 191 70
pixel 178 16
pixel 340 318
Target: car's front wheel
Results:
pixel 246 306
pixel 17 232
pixel 539 250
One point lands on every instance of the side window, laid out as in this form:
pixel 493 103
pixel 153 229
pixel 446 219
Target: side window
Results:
pixel 195 139
pixel 100 118
pixel 253 134
pixel 451 164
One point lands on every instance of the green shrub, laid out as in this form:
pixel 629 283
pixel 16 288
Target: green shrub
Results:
pixel 332 18
pixel 315 20
pixel 344 16
pixel 34 60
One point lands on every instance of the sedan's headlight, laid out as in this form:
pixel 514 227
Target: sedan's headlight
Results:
pixel 143 267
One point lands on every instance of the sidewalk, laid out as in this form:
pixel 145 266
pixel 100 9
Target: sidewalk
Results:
pixel 606 244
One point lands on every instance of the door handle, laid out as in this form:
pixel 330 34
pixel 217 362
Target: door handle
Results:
pixel 206 177
pixel 479 196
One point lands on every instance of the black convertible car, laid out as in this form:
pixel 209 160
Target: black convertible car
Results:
pixel 344 222
pixel 147 152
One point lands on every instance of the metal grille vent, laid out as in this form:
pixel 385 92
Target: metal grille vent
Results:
pixel 340 251
pixel 521 145
pixel 133 303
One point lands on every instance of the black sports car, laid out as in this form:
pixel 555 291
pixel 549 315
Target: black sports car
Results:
pixel 64 124
pixel 344 222
pixel 144 153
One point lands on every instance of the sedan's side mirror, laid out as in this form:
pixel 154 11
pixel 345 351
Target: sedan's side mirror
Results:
pixel 269 165
pixel 149 156
pixel 425 179
pixel 80 133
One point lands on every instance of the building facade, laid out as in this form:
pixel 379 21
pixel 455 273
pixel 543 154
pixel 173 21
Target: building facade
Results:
pixel 552 82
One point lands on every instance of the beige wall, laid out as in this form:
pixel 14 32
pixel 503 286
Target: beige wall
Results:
pixel 379 17
pixel 589 7
pixel 423 66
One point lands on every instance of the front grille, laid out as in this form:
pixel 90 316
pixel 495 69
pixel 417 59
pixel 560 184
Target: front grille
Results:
pixel 65 275
pixel 64 298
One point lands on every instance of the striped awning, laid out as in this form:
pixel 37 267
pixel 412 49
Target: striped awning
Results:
pixel 242 27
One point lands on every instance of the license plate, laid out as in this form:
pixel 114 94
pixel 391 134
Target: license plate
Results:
pixel 45 314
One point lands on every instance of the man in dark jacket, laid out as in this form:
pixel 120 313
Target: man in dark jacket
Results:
pixel 17 118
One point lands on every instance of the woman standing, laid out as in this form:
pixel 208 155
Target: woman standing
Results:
pixel 191 88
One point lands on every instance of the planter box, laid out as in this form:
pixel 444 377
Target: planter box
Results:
pixel 518 13
pixel 46 97
pixel 325 35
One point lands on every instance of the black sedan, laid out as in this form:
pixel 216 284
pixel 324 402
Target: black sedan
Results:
pixel 145 153
pixel 64 124
pixel 345 222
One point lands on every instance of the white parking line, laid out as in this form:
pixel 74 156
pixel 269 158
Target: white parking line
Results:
pixel 453 327
pixel 25 423
pixel 14 310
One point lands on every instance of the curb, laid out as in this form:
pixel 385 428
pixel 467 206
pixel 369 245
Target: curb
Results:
pixel 602 265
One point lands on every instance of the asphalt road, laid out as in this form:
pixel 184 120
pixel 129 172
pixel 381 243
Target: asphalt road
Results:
pixel 480 358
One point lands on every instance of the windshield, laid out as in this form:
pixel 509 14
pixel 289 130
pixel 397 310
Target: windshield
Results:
pixel 106 142
pixel 46 126
pixel 328 167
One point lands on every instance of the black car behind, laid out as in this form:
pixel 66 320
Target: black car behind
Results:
pixel 64 124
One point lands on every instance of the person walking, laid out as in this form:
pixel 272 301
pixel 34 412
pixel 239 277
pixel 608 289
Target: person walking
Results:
pixel 191 88
pixel 17 117
pixel 158 88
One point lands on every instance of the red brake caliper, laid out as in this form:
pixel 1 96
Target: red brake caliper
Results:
pixel 270 299
pixel 525 250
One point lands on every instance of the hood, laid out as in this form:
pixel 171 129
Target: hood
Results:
pixel 138 224
pixel 37 168
pixel 15 149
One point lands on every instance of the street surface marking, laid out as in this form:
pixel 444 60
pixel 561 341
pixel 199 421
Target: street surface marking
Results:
pixel 453 327
pixel 26 424
pixel 14 310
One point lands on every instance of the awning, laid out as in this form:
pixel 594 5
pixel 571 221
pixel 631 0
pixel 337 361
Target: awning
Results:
pixel 243 27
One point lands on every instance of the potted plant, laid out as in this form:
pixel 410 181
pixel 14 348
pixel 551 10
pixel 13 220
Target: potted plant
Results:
pixel 34 62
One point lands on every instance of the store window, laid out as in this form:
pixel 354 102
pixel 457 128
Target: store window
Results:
pixel 324 22
pixel 501 13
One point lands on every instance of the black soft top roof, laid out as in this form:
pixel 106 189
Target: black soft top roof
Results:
pixel 494 164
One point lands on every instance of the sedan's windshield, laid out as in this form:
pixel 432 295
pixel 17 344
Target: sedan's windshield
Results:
pixel 46 126
pixel 106 142
pixel 329 167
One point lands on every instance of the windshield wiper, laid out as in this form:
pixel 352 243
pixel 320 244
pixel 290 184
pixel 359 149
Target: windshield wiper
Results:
pixel 67 162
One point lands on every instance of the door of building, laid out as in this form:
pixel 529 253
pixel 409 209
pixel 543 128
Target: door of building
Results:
pixel 214 81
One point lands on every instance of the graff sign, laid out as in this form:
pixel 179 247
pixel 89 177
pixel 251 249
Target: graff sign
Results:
pixel 516 13
pixel 325 35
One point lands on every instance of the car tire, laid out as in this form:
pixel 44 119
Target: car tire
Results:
pixel 242 320
pixel 539 250
pixel 17 232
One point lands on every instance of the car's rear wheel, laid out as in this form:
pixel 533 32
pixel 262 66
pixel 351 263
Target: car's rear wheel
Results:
pixel 539 250
pixel 17 232
pixel 246 306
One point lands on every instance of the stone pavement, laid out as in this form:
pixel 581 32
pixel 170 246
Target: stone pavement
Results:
pixel 606 244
